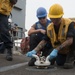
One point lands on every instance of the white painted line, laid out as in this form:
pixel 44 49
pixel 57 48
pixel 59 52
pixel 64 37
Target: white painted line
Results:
pixel 6 68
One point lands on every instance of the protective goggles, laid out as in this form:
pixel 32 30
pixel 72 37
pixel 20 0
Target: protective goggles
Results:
pixel 41 18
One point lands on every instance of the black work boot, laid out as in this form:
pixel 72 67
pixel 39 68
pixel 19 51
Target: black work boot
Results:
pixel 52 61
pixel 31 62
pixel 9 55
pixel 69 64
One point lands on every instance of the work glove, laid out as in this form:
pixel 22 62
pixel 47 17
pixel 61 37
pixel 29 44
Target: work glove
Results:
pixel 53 54
pixel 30 53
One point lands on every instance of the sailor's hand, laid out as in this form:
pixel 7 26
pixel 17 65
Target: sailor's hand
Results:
pixel 42 31
pixel 53 54
pixel 30 53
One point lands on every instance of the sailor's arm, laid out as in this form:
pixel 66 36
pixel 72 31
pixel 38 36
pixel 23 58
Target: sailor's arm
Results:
pixel 68 42
pixel 40 45
pixel 69 38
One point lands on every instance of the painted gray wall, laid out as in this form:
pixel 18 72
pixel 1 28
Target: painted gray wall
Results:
pixel 18 13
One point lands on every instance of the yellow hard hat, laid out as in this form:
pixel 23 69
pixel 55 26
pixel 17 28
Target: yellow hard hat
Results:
pixel 55 11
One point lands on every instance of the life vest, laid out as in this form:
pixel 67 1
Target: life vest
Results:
pixel 74 25
pixel 57 40
pixel 5 7
pixel 40 26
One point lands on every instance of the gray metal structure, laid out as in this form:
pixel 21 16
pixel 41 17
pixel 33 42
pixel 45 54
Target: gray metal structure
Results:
pixel 18 16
